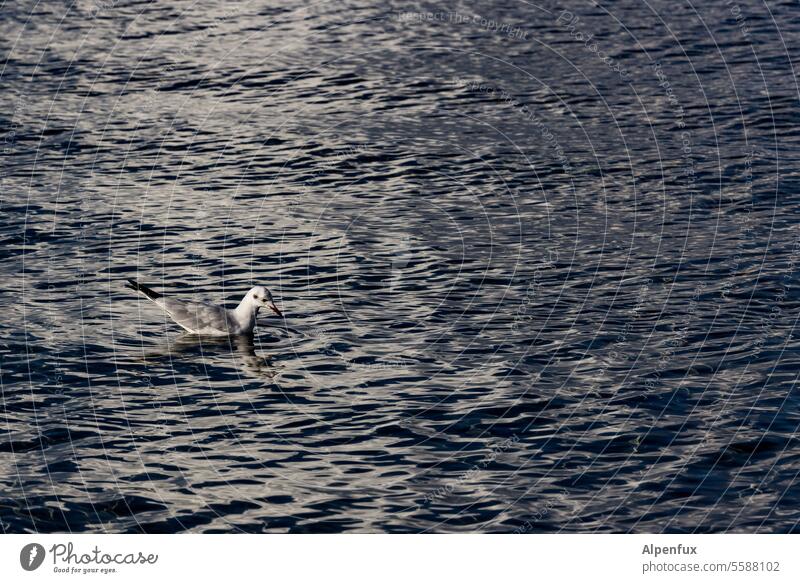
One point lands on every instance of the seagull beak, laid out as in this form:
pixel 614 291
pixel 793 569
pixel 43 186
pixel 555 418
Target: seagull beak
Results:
pixel 275 309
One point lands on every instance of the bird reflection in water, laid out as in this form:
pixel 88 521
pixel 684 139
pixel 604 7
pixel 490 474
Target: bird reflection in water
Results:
pixel 241 347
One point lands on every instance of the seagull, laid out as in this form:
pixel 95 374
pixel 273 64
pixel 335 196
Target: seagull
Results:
pixel 208 319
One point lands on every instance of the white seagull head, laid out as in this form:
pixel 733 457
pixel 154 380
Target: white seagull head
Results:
pixel 260 297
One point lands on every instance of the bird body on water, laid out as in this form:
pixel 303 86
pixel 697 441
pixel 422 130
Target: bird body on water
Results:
pixel 208 319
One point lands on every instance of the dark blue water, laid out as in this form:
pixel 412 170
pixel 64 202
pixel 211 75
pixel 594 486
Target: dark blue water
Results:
pixel 539 264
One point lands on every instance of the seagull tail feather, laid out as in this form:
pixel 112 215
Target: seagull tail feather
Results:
pixel 136 286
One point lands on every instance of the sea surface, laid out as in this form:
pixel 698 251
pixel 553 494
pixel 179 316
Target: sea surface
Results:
pixel 539 265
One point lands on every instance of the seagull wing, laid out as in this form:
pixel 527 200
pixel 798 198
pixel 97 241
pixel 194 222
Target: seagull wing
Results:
pixel 197 317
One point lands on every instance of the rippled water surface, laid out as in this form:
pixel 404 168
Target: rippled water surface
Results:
pixel 538 265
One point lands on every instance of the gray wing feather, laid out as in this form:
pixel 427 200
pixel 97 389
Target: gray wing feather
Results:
pixel 196 316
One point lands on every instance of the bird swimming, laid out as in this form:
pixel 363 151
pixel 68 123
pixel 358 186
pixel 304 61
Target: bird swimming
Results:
pixel 208 319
